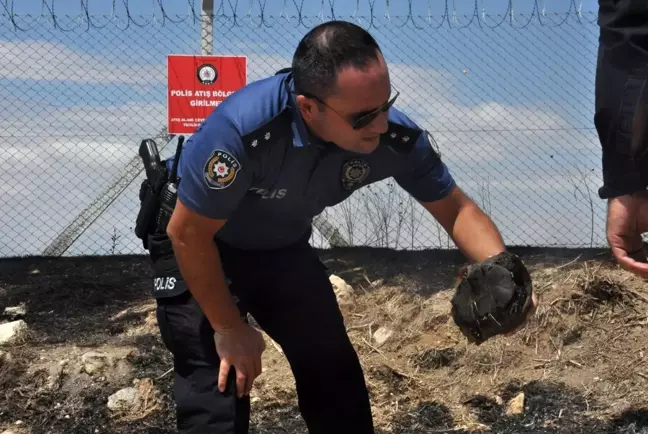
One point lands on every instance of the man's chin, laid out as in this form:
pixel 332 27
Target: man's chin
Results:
pixel 367 146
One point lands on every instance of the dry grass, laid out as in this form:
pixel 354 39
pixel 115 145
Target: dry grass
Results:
pixel 580 362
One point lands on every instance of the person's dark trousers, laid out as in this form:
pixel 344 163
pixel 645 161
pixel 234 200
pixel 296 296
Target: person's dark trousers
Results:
pixel 288 293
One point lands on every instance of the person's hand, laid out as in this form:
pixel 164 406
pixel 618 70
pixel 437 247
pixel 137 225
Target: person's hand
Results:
pixel 627 219
pixel 241 348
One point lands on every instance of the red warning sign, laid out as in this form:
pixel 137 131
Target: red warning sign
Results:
pixel 197 85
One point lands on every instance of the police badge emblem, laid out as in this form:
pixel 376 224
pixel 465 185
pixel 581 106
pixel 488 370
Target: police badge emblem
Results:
pixel 221 169
pixel 354 172
pixel 207 74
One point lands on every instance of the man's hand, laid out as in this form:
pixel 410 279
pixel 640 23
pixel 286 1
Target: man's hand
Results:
pixel 627 219
pixel 240 348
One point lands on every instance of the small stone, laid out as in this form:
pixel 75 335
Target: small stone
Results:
pixel 343 291
pixel 11 330
pixel 124 399
pixel 94 361
pixel 16 311
pixel 54 378
pixel 381 335
pixel 516 405
pixel 122 368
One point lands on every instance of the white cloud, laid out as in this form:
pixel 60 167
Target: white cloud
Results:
pixel 35 120
pixel 430 96
pixel 46 185
pixel 54 61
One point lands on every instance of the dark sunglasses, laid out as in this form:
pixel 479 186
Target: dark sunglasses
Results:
pixel 360 120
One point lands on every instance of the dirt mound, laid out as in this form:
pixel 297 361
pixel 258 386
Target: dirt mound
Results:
pixel 92 360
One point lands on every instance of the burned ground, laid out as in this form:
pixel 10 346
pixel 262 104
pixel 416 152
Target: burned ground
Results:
pixel 579 366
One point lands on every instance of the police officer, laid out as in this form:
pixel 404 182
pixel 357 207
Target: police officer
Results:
pixel 262 165
pixel 621 119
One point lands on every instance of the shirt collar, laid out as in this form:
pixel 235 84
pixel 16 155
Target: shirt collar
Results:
pixel 301 136
pixel 300 133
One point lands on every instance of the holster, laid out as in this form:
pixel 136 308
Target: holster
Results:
pixel 149 195
pixel 167 279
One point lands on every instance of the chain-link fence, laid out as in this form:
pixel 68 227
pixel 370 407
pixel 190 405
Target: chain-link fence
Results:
pixel 507 95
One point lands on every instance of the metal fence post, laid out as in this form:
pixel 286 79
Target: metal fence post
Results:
pixel 207 28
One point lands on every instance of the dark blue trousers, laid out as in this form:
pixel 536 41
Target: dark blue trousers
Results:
pixel 288 293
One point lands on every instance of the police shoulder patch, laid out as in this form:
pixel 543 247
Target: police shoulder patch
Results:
pixel 221 169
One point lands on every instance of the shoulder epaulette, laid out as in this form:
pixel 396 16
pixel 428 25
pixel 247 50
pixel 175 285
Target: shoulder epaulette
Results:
pixel 401 138
pixel 269 132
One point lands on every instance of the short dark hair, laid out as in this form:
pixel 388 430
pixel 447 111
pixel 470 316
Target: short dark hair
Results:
pixel 326 49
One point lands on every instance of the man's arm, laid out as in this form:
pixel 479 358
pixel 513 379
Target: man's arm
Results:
pixel 621 120
pixel 430 182
pixel 237 344
pixel 621 110
pixel 192 236
pixel 471 229
pixel 215 174
pixel 622 129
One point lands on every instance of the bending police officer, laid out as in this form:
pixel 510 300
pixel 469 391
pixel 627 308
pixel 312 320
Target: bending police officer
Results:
pixel 266 161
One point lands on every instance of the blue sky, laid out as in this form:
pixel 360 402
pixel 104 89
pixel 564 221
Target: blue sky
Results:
pixel 273 7
pixel 510 107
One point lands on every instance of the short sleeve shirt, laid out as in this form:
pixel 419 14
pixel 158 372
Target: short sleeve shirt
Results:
pixel 252 163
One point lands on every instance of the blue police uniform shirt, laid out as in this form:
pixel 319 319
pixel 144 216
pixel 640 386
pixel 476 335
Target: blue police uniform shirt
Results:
pixel 253 163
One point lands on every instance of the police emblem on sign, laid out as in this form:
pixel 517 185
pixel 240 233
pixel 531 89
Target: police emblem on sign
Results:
pixel 354 172
pixel 221 170
pixel 207 74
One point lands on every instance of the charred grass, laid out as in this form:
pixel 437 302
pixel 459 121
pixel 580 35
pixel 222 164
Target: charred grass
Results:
pixel 579 366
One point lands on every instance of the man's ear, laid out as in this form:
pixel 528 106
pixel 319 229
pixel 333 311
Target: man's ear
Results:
pixel 307 107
